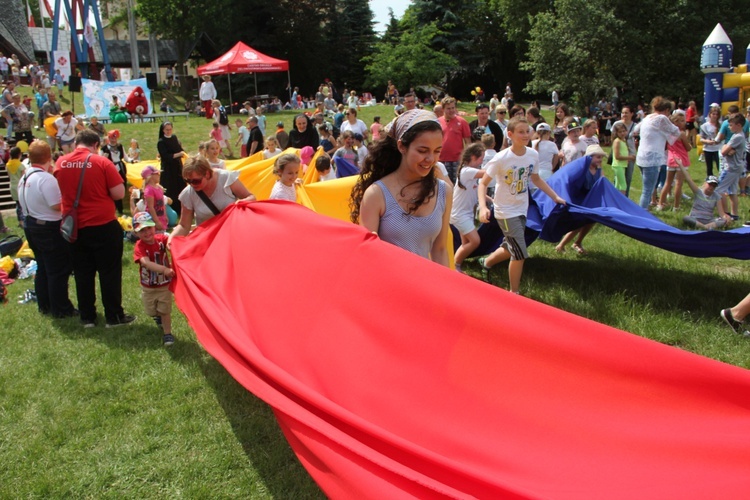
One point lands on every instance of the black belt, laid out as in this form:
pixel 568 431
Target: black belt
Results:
pixel 39 222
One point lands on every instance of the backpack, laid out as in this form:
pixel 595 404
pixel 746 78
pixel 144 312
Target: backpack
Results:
pixel 223 118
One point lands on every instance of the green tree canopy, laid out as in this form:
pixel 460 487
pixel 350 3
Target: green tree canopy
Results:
pixel 410 62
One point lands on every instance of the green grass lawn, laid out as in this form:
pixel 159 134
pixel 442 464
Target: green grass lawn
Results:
pixel 111 413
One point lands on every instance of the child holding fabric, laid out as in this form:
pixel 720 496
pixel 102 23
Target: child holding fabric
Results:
pixel 512 168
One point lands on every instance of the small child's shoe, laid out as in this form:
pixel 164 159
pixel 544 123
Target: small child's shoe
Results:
pixel 168 339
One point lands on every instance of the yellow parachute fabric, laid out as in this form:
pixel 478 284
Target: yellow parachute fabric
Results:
pixel 329 198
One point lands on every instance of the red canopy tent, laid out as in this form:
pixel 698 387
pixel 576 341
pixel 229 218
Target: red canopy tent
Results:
pixel 244 59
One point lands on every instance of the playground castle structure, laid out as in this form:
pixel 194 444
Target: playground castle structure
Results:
pixel 724 85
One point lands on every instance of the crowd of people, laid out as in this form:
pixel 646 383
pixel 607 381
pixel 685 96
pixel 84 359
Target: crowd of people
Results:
pixel 419 173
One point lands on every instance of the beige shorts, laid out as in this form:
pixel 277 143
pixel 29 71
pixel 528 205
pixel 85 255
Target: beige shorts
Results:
pixel 157 301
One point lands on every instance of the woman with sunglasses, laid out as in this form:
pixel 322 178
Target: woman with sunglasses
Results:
pixel 220 187
pixel 171 154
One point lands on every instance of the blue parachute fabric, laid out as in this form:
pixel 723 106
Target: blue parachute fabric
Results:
pixel 606 205
pixel 345 168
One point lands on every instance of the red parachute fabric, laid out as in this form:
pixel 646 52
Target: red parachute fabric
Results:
pixel 393 377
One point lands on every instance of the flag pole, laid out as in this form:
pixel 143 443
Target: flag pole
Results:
pixel 44 30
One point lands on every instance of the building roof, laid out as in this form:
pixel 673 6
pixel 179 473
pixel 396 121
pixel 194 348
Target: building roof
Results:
pixel 41 39
pixel 119 52
pixel 14 37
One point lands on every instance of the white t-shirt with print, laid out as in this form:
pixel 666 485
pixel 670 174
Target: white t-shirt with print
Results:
pixel 464 200
pixel 512 172
pixel 573 151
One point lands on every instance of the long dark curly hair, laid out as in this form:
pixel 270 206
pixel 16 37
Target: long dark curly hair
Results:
pixel 385 158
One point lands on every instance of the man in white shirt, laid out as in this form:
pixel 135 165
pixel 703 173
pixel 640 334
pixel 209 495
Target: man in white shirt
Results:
pixel 207 94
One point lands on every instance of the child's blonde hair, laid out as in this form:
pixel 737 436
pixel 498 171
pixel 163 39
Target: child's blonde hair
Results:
pixel 488 141
pixel 134 140
pixel 588 123
pixel 282 161
pixel 272 143
pixel 210 143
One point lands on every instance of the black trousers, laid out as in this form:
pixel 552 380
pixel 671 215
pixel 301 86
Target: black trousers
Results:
pixel 99 250
pixel 54 265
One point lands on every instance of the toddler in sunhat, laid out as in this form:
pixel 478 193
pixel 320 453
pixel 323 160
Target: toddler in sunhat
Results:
pixel 151 254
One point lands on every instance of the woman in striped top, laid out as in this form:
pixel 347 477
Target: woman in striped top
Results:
pixel 398 196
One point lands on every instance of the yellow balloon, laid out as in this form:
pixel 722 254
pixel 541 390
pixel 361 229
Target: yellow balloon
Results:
pixel 23 146
pixel 473 92
pixel 479 90
pixel 49 125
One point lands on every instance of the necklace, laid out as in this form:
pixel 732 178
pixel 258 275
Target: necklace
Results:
pixel 402 196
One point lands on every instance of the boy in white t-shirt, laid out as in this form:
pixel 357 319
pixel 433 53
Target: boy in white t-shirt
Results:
pixel 512 168
pixel 572 147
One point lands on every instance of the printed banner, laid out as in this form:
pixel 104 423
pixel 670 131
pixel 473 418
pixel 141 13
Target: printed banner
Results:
pixel 62 62
pixel 97 95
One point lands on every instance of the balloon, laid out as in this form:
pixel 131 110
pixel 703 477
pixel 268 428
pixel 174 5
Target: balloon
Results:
pixel 23 146
pixel 473 92
pixel 49 125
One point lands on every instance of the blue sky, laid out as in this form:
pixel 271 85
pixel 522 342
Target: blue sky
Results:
pixel 380 9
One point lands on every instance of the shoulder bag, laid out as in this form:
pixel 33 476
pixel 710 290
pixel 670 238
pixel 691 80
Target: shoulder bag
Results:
pixel 69 221
pixel 210 204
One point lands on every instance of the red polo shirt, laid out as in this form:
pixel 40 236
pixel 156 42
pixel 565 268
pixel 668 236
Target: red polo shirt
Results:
pixel 454 132
pixel 95 207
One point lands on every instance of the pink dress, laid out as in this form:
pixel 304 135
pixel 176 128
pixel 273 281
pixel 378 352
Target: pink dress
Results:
pixel 159 202
pixel 675 151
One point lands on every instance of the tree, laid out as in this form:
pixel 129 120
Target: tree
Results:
pixel 412 61
pixel 458 29
pixel 568 50
pixel 351 37
pixel 583 48
pixel 182 21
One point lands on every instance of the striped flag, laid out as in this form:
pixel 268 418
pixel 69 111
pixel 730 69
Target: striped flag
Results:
pixel 88 33
pixel 32 24
pixel 44 9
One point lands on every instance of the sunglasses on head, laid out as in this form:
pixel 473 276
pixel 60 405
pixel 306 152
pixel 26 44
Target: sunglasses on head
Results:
pixel 194 182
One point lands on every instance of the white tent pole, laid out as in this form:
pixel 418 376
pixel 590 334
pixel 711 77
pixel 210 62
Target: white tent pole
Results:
pixel 229 78
pixel 255 77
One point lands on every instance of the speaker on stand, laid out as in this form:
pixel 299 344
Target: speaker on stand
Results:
pixel 74 85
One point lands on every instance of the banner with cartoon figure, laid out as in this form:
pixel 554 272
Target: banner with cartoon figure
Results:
pixel 98 96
